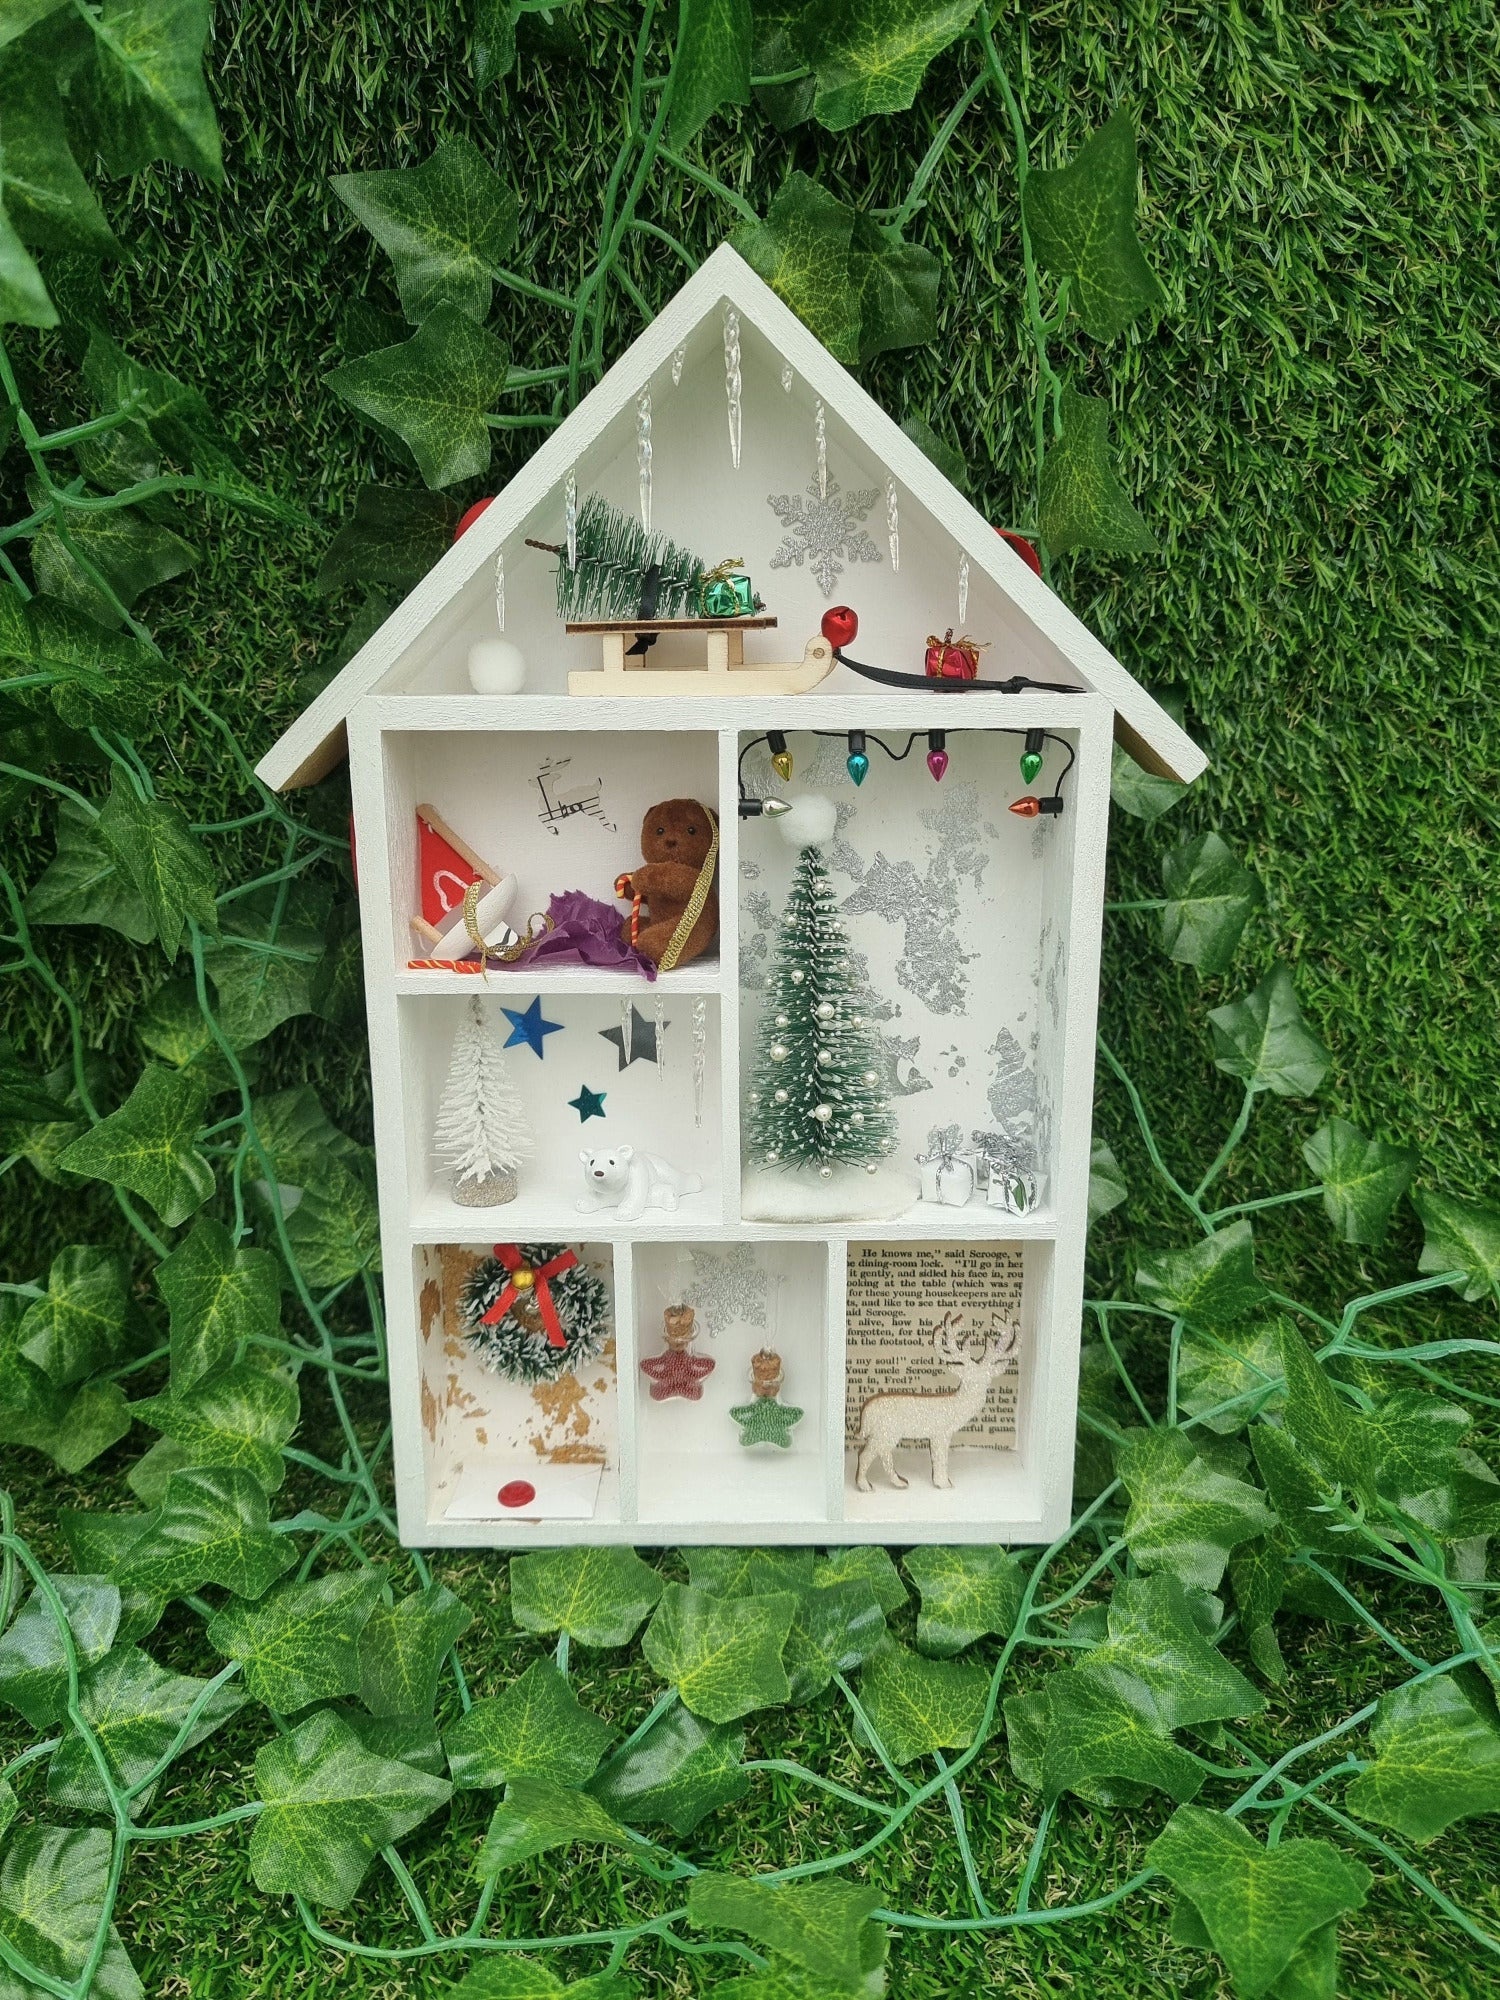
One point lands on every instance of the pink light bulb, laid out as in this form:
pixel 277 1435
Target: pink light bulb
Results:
pixel 937 763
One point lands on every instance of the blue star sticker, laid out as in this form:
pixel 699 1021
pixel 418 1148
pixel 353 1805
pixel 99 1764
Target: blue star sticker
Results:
pixel 588 1103
pixel 529 1027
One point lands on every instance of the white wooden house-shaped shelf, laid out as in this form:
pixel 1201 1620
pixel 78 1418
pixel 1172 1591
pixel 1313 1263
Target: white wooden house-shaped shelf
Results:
pixel 979 930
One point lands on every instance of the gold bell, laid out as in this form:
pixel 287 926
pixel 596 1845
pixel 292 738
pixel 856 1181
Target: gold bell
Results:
pixel 522 1279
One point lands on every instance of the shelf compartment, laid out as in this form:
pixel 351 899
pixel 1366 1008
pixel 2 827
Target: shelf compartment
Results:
pixel 649 1110
pixel 902 1298
pixel 484 1436
pixel 690 1463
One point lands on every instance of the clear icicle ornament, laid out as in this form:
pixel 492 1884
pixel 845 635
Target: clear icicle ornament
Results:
pixel 893 525
pixel 677 360
pixel 788 377
pixel 570 517
pixel 627 1025
pixel 500 587
pixel 661 1035
pixel 963 588
pixel 820 431
pixel 643 454
pixel 700 1055
pixel 732 382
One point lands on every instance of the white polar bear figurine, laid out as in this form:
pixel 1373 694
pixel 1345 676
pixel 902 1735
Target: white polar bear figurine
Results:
pixel 630 1182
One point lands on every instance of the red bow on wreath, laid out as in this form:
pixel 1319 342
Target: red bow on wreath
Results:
pixel 523 1278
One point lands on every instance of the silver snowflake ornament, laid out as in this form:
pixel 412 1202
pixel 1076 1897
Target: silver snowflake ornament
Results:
pixel 823 531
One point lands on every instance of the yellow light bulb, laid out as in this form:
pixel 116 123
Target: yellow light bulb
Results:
pixel 781 764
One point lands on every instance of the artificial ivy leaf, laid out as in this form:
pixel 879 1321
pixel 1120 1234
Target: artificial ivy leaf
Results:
pixel 239 1417
pixel 1142 794
pixel 1210 898
pixel 17 16
pixel 677 1773
pixel 865 1561
pixel 1185 1514
pixel 434 391
pixel 897 286
pixel 1257 1904
pixel 79 1327
pixel 1437 1759
pixel 1082 223
pixel 966 1592
pixel 172 1026
pixel 1159 1659
pixel 261 980
pixel 135 1709
pixel 776 48
pixel 217 1296
pixel 494 41
pixel 393 538
pixel 46 198
pixel 402 1649
pixel 1240 1366
pixel 1107 1186
pixel 144 97
pixel 837 1628
pixel 749 1572
pixel 723 1657
pixel 130 551
pixel 93 676
pixel 33 1660
pixel 823 1927
pixel 1264 1040
pixel 871 55
pixel 918 1706
pixel 10 1806
pixel 212 1528
pixel 71 1425
pixel 1212 1284
pixel 713 62
pixel 85 884
pixel 336 991
pixel 25 1097
pixel 298 1136
pixel 334 1227
pixel 300 1644
pixel 1328 1429
pixel 446 225
pixel 147 1145
pixel 54 1888
pixel 500 1976
pixel 1362 1178
pixel 1296 1491
pixel 1257 1571
pixel 163 858
pixel 1461 1236
pixel 802 252
pixel 536 1814
pixel 407 1739
pixel 330 1806
pixel 948 459
pixel 596 1596
pixel 23 296
pixel 535 1729
pixel 1082 503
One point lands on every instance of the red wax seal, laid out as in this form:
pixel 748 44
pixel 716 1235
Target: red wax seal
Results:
pixel 516 1493
pixel 470 515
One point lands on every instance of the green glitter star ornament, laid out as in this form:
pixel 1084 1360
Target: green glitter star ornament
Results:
pixel 767 1421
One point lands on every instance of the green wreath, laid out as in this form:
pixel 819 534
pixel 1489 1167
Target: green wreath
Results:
pixel 517 1344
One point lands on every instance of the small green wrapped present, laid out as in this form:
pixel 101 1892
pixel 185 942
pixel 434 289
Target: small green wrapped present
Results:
pixel 726 592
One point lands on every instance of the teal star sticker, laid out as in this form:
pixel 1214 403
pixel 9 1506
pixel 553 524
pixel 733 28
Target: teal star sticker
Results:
pixel 588 1103
pixel 528 1026
pixel 765 1421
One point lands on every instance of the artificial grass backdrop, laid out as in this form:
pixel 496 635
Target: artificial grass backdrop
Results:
pixel 1305 428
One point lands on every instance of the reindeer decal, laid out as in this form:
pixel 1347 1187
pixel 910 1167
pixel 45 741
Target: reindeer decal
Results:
pixel 936 1415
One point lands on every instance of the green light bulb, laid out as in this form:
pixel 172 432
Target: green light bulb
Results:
pixel 1031 763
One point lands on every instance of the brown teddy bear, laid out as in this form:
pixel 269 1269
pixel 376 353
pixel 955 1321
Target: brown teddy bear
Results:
pixel 677 838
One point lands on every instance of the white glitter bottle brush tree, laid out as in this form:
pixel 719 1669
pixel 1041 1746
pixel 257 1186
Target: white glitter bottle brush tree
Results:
pixel 482 1135
pixel 819 1128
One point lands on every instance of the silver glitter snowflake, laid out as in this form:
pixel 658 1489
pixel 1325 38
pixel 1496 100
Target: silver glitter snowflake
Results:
pixel 727 1288
pixel 823 532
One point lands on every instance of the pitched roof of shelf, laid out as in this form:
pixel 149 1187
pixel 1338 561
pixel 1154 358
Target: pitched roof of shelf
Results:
pixel 316 741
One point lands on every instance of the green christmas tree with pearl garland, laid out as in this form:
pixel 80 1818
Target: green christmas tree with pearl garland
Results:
pixel 817 1098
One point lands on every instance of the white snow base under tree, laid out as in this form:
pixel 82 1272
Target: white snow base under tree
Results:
pixel 850 1194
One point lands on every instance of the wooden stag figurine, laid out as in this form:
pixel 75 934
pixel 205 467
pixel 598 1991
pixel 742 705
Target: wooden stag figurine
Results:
pixel 934 1416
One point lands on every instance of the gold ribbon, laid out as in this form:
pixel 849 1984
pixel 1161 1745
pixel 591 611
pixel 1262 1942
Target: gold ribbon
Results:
pixel 684 929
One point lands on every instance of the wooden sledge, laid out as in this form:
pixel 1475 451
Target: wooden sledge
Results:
pixel 725 672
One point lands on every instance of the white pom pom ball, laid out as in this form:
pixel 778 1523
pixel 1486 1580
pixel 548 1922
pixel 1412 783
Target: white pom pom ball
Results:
pixel 810 822
pixel 497 667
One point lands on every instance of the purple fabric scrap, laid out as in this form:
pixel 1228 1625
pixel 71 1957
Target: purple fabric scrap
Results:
pixel 584 932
